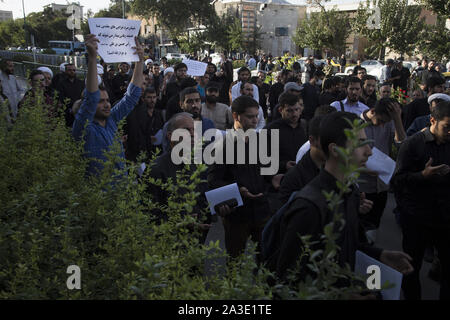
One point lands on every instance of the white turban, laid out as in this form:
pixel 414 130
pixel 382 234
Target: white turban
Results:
pixel 170 69
pixel 47 70
pixel 62 66
pixel 148 61
pixel 100 69
pixel 441 96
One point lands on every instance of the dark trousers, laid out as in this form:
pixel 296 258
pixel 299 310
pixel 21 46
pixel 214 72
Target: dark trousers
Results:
pixel 371 220
pixel 416 237
pixel 237 233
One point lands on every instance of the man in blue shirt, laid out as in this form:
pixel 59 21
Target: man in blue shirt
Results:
pixel 100 131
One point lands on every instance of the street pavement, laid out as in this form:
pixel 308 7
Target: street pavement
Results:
pixel 389 237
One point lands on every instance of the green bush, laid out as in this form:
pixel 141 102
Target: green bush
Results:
pixel 173 62
pixel 239 64
pixel 21 57
pixel 48 51
pixel 53 216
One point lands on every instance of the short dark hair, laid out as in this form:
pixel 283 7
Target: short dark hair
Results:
pixel 285 72
pixel 332 129
pixel 243 83
pixel 382 105
pixel 324 110
pixel 242 103
pixel 296 66
pixel 351 80
pixel 328 83
pixel 441 110
pixel 187 83
pixel 254 79
pixel 179 66
pixel 243 69
pixel 318 74
pixel 187 91
pixel 314 126
pixel 287 98
pixel 35 73
pixel 369 77
pixel 149 90
pixel 434 81
pixel 361 68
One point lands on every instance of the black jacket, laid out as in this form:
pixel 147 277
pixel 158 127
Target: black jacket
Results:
pixel 291 139
pixel 303 218
pixel 417 108
pixel 245 175
pixel 298 177
pixel 139 128
pixel 426 199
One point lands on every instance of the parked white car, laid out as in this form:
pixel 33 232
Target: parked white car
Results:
pixel 373 68
pixel 181 56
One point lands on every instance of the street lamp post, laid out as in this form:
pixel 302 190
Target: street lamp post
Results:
pixel 24 24
pixel 123 9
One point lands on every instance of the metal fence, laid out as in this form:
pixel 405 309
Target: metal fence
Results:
pixel 45 59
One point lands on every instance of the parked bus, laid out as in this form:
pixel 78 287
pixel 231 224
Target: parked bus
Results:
pixel 66 48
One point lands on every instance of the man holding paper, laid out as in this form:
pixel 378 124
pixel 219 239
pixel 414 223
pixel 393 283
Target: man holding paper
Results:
pixel 385 128
pixel 102 121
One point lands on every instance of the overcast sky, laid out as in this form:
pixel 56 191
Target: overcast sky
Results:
pixel 37 5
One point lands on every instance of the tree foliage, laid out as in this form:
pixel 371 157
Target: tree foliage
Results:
pixel 235 35
pixel 326 29
pixel 115 10
pixel 12 33
pixel 440 7
pixel 435 40
pixel 53 216
pixel 400 27
pixel 176 16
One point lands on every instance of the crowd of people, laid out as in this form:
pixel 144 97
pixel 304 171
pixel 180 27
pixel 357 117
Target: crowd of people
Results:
pixel 309 109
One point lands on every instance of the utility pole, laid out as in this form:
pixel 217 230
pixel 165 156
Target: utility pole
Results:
pixel 24 24
pixel 123 9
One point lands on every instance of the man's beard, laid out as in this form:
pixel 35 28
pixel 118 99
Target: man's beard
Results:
pixel 211 99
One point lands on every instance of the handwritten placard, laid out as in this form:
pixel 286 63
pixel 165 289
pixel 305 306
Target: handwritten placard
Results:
pixel 195 68
pixel 116 38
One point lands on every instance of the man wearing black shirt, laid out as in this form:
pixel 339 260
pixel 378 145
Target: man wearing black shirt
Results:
pixel 69 87
pixel 310 94
pixel 400 76
pixel 328 95
pixel 278 89
pixel 421 184
pixel 120 82
pixel 173 105
pixel 302 217
pixel 368 96
pixel 420 107
pixel 142 125
pixel 308 167
pixel 292 129
pixel 248 220
pixel 174 88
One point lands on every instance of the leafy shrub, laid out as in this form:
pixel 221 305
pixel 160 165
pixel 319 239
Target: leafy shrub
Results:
pixel 22 57
pixel 53 216
pixel 48 51
pixel 239 64
pixel 173 62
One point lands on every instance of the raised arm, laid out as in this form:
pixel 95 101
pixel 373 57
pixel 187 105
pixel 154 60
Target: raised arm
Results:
pixel 92 95
pixel 91 78
pixel 138 73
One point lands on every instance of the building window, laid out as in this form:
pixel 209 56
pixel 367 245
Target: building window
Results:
pixel 281 32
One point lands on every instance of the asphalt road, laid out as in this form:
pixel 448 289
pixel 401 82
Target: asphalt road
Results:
pixel 389 237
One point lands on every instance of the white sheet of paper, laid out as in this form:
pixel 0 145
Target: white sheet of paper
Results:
pixel 141 169
pixel 195 68
pixel 223 194
pixel 381 163
pixel 116 38
pixel 362 261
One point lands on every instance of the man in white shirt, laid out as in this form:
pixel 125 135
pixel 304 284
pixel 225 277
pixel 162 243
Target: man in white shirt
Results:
pixel 247 90
pixel 243 76
pixel 11 88
pixel 351 103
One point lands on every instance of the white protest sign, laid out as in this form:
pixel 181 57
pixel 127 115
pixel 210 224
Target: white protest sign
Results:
pixel 363 261
pixel 381 163
pixel 116 38
pixel 225 193
pixel 195 68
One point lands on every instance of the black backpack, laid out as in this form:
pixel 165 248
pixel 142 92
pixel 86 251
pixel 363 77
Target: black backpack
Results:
pixel 271 235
